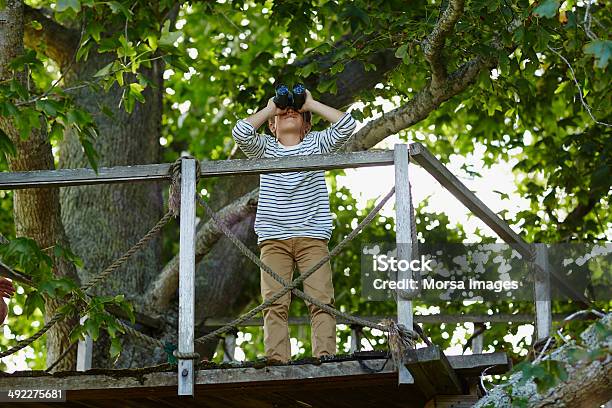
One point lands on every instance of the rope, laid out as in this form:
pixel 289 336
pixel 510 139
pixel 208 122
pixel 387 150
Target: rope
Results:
pixel 26 342
pixel 60 358
pixel 174 200
pixel 138 246
pixel 293 285
pixel 95 281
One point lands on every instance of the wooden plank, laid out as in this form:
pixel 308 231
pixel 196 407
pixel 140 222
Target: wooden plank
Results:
pixel 297 163
pixel 160 172
pixel 84 351
pixel 432 165
pixel 163 382
pixel 83 176
pixel 452 401
pixel 473 364
pixel 187 276
pixel 432 372
pixel 542 293
pixel 448 180
pixel 403 240
pixel 428 319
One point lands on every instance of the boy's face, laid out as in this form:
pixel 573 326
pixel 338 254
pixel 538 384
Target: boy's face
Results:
pixel 290 121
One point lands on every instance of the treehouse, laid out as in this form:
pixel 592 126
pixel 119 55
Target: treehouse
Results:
pixel 420 377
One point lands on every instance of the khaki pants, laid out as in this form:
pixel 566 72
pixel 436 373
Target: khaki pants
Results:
pixel 282 255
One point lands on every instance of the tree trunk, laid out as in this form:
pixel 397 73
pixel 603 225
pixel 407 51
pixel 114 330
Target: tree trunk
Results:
pixel 105 221
pixel 36 211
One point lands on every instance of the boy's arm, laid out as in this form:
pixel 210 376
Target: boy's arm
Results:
pixel 245 135
pixel 245 131
pixel 343 125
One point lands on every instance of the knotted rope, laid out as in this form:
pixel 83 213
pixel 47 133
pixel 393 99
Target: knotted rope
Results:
pixel 174 199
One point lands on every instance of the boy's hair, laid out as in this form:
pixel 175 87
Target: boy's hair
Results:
pixel 307 116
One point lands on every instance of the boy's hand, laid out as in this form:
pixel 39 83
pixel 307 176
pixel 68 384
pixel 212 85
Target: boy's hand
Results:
pixel 307 107
pixel 274 110
pixel 3 310
pixel 6 288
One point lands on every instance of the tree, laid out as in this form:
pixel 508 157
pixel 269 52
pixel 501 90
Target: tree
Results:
pixel 130 82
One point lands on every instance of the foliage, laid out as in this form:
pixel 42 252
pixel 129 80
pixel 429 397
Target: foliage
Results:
pixel 222 59
pixel 25 256
pixel 555 366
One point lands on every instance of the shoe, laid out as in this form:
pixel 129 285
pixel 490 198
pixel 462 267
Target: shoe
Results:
pixel 327 357
pixel 275 362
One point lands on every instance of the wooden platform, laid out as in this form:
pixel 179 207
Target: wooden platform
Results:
pixel 344 382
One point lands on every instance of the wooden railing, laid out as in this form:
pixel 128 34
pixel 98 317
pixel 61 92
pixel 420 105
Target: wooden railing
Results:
pixel 399 157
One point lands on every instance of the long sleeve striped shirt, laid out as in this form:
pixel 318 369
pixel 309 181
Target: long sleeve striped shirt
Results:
pixel 293 204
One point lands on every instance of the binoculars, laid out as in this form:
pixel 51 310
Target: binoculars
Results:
pixel 285 98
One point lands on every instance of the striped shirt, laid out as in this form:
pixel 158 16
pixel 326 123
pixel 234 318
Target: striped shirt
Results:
pixel 293 204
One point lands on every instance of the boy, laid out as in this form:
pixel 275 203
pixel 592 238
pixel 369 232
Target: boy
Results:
pixel 293 221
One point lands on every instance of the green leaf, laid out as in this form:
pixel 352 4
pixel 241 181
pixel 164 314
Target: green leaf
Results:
pixel 35 24
pixel 402 51
pixel 601 50
pixel 83 51
pixel 168 38
pixel 308 69
pixel 136 91
pixel 63 5
pixel 117 7
pixel 94 29
pixel 115 348
pixel 92 327
pixel 27 58
pixel 126 49
pixel 152 40
pixel 502 196
pixel 90 152
pixel 19 89
pixel 57 131
pixel 34 301
pixel 48 106
pixel 548 9
pixel 6 145
pixel 77 334
pixel 104 71
pixel 27 120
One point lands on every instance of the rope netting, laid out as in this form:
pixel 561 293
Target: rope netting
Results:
pixel 404 337
pixel 89 285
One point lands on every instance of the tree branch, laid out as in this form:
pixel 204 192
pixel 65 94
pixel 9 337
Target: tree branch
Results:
pixel 588 383
pixel 418 108
pixel 575 217
pixel 433 45
pixel 162 289
pixel 54 40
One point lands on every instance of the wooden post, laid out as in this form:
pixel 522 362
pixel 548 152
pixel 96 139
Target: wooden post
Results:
pixel 355 338
pixel 187 276
pixel 403 242
pixel 477 342
pixel 229 347
pixel 542 293
pixel 84 351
